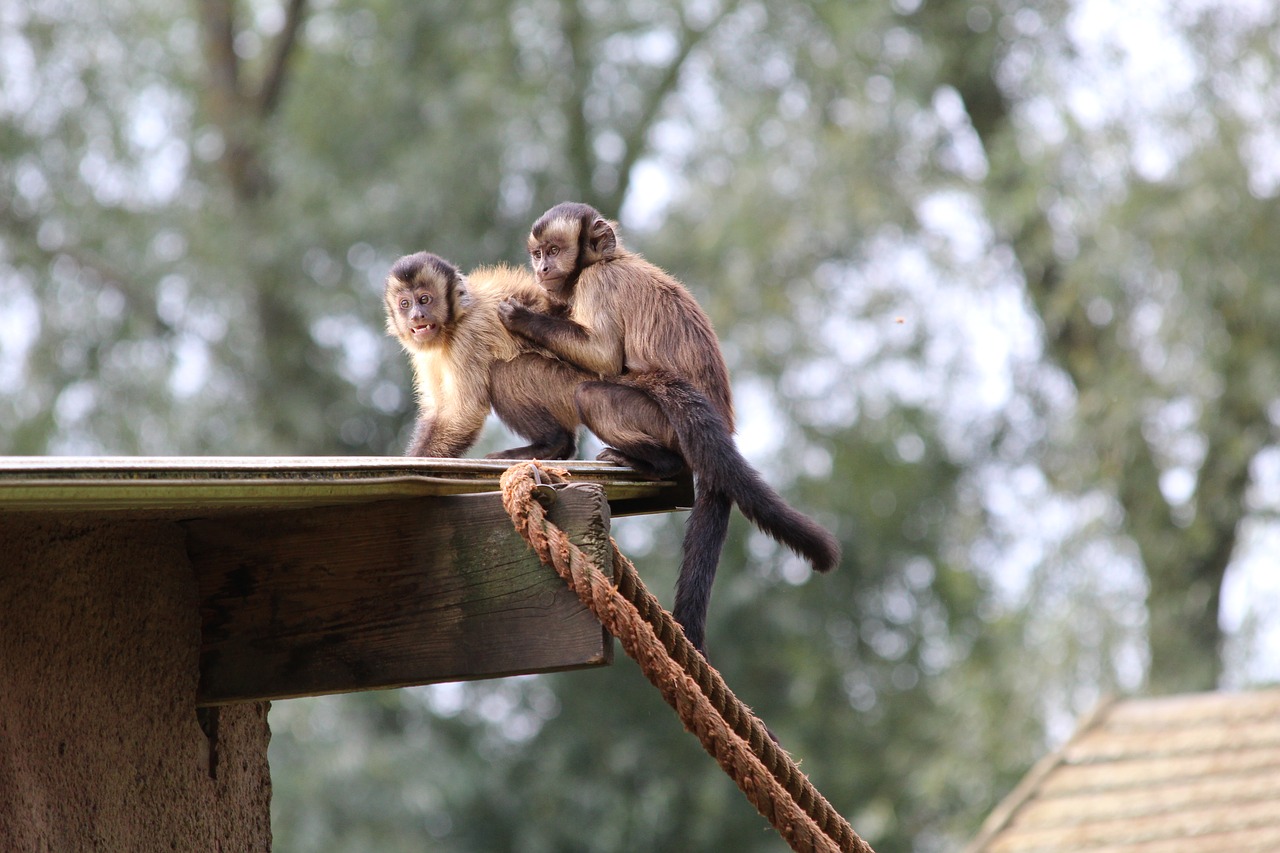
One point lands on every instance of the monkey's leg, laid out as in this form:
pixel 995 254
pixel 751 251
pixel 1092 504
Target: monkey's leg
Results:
pixel 633 425
pixel 555 443
pixel 533 396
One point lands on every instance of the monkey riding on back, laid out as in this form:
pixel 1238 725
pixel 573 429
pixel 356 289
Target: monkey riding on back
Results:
pixel 659 393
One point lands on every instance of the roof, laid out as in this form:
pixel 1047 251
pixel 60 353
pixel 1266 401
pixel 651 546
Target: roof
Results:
pixel 1188 773
pixel 152 485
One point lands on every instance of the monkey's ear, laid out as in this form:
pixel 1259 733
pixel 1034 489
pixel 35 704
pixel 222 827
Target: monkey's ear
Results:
pixel 462 298
pixel 601 239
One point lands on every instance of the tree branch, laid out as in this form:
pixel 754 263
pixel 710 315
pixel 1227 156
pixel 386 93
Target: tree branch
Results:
pixel 238 113
pixel 217 21
pixel 273 77
pixel 633 142
pixel 580 155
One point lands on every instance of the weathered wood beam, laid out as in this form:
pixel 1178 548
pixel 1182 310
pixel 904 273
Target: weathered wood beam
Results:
pixel 180 486
pixel 300 602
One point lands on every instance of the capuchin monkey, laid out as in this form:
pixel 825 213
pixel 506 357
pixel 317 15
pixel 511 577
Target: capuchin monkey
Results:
pixel 464 361
pixel 661 398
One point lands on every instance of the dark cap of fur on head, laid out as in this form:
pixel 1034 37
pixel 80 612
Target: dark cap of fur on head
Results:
pixel 410 267
pixel 571 210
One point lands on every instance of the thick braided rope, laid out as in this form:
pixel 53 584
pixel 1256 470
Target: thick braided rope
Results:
pixel 728 731
pixel 736 714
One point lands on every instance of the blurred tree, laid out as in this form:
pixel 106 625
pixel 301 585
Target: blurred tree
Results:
pixel 1147 268
pixel 973 141
pixel 997 301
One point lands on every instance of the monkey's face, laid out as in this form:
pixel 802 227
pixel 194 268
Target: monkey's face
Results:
pixel 420 300
pixel 417 312
pixel 567 239
pixel 554 256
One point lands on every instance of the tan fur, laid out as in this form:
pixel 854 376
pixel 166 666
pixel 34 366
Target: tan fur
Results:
pixel 454 369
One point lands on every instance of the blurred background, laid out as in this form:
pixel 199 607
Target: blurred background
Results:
pixel 996 282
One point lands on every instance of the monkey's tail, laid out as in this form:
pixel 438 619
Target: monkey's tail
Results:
pixel 724 474
pixel 704 536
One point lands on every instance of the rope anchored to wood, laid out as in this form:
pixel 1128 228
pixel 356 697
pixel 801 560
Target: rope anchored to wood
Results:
pixel 729 732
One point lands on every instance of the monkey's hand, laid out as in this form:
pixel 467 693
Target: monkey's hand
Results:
pixel 515 315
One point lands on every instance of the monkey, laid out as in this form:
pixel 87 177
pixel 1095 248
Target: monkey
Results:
pixel 465 362
pixel 660 397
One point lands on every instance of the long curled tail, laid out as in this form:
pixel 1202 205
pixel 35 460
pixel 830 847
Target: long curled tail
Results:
pixel 711 453
pixel 724 477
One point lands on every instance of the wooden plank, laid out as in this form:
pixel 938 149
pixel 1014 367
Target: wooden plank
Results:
pixel 1194 710
pixel 327 600
pixel 1119 775
pixel 1227 792
pixel 178 486
pixel 1263 840
pixel 1102 746
pixel 1184 824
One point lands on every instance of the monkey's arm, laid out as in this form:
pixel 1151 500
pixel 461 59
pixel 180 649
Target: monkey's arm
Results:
pixel 448 427
pixel 431 437
pixel 591 350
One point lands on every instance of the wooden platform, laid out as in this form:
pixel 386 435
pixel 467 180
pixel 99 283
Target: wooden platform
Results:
pixel 149 485
pixel 322 575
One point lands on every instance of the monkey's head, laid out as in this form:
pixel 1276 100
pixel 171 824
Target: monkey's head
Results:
pixel 425 295
pixel 567 239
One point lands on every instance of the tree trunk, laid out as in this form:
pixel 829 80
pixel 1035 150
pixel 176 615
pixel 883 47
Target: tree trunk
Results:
pixel 1184 563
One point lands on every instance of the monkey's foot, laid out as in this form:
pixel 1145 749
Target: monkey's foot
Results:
pixel 665 464
pixel 535 451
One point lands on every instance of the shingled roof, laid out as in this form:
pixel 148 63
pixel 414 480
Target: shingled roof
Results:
pixel 1169 775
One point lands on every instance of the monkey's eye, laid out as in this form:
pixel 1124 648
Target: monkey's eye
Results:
pixel 404 303
pixel 553 250
pixel 536 253
pixel 425 299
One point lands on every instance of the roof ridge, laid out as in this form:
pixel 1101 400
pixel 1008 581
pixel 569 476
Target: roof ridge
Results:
pixel 1026 787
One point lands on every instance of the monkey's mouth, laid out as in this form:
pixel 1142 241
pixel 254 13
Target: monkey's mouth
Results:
pixel 426 330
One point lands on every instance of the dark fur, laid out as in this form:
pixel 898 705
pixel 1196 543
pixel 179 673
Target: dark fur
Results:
pixel 465 362
pixel 661 399
pixel 533 396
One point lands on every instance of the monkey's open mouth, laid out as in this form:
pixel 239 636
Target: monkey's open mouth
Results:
pixel 424 330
